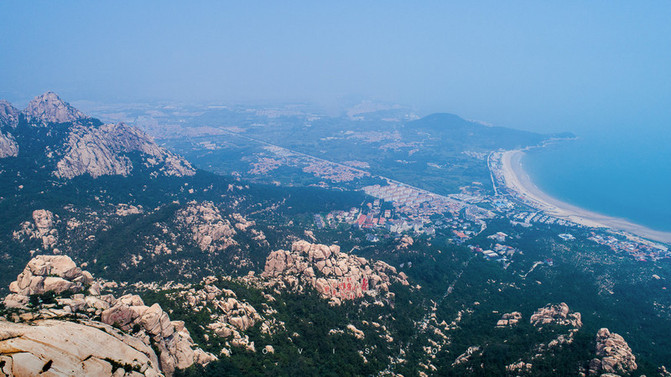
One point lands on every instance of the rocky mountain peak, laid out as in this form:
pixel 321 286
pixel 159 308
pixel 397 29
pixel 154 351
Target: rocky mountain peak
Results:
pixel 9 115
pixel 50 108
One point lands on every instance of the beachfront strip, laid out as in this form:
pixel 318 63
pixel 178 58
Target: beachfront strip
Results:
pixel 529 211
pixel 400 208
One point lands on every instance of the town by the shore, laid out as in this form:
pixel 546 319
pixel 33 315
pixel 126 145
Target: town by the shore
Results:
pixel 517 180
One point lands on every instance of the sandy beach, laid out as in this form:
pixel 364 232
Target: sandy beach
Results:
pixel 518 180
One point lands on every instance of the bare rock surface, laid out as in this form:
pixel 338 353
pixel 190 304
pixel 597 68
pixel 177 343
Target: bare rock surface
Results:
pixel 42 227
pixel 150 325
pixel 334 274
pixel 230 316
pixel 405 242
pixel 9 115
pixel 203 221
pixel 466 356
pixel 509 319
pixel 60 348
pixel 8 146
pixel 559 314
pixel 613 355
pixel 101 151
pixel 171 338
pixel 44 273
pixel 88 148
pixel 50 108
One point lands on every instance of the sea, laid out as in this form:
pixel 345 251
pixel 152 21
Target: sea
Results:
pixel 619 174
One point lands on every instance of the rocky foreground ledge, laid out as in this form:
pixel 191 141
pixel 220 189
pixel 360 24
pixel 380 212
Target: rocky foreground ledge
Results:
pixel 87 333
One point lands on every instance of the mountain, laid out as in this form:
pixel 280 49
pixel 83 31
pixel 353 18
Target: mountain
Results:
pixel 49 108
pixel 464 134
pixel 70 144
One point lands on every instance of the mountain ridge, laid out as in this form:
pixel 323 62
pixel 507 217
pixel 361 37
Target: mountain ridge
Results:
pixel 74 144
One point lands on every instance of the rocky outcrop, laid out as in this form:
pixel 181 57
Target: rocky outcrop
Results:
pixel 128 209
pixel 466 356
pixel 9 115
pixel 44 273
pixel 230 317
pixel 60 348
pixel 149 325
pixel 509 319
pixel 102 151
pixel 203 221
pixel 153 326
pixel 8 146
pixel 356 332
pixel 42 228
pixel 335 275
pixel 556 315
pixel 613 355
pixel 50 108
pixel 405 242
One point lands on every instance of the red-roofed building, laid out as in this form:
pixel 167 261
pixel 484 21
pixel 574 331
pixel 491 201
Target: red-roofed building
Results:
pixel 361 220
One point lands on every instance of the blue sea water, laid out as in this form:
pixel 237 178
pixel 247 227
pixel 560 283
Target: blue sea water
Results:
pixel 625 175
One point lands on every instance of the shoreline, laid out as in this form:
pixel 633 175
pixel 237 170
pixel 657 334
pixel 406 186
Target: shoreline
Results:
pixel 516 179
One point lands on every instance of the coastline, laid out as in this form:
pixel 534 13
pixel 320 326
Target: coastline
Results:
pixel 516 179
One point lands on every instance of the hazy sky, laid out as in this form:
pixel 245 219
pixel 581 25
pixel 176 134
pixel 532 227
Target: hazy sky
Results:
pixel 534 64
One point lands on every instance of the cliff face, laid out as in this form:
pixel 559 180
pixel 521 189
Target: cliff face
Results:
pixel 9 118
pixel 9 115
pixel 8 146
pixel 83 147
pixel 102 151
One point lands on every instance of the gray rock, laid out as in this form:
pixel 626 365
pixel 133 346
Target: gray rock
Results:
pixel 50 108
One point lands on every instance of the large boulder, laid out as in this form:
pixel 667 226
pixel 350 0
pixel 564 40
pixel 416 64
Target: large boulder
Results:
pixel 45 273
pixel 613 355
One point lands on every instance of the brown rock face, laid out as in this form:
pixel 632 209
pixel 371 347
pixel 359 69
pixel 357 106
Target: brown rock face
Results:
pixel 88 149
pixel 171 338
pixel 50 108
pixel 231 318
pixel 509 319
pixel 332 273
pixel 613 355
pixel 44 221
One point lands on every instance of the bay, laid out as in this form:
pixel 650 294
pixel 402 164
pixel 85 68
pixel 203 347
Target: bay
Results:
pixel 624 175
